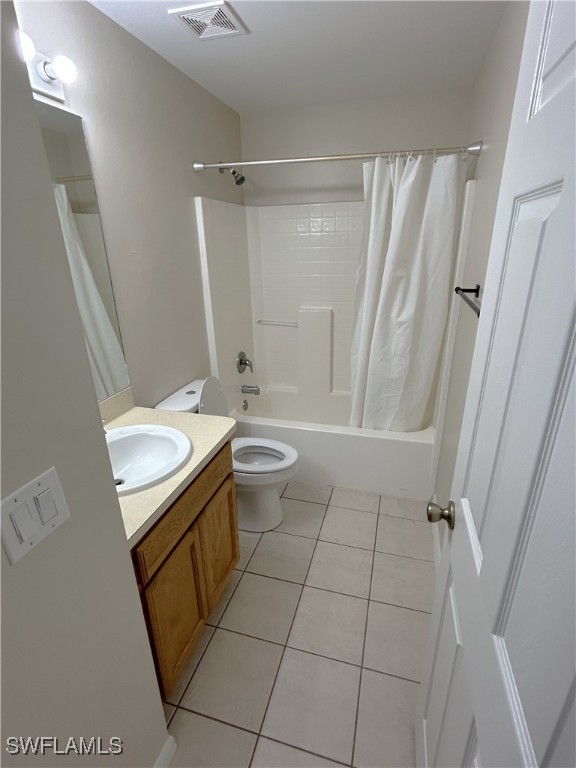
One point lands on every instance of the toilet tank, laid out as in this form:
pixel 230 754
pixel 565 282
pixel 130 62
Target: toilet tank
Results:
pixel 199 396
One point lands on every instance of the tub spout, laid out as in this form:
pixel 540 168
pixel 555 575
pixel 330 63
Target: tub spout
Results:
pixel 249 390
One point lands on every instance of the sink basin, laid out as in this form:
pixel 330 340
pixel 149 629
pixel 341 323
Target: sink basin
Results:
pixel 145 454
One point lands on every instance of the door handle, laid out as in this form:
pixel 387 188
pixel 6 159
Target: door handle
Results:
pixel 436 513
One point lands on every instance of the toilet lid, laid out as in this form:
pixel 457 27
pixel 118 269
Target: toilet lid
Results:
pixel 255 455
pixel 212 398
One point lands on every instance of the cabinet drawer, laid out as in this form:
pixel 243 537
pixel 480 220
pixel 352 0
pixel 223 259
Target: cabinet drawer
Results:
pixel 151 552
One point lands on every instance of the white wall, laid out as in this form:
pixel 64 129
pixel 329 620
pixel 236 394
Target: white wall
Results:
pixel 145 122
pixel 75 655
pixel 432 120
pixel 491 112
pixel 223 249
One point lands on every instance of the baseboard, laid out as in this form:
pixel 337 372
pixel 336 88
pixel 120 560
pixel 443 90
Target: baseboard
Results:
pixel 167 753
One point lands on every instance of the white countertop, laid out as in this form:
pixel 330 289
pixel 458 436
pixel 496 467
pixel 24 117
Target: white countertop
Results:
pixel 207 433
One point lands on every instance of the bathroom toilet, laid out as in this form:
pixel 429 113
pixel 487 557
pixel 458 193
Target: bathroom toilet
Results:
pixel 261 466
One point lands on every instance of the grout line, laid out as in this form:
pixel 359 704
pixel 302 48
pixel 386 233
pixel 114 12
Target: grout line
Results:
pixel 307 751
pixel 252 637
pixel 391 674
pixel 396 605
pixel 351 546
pixel 288 533
pixel 219 720
pixel 305 501
pixel 402 517
pixel 405 557
pixel 408 557
pixel 298 535
pixel 285 646
pixel 276 578
pixel 252 553
pixel 352 509
pixel 365 635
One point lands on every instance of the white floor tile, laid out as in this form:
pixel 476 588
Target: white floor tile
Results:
pixel 220 607
pixel 302 518
pixel 390 505
pixel 169 710
pixel 271 754
pixel 351 499
pixel 415 510
pixel 282 556
pixel 395 640
pixel 385 733
pixel 234 679
pixel 190 668
pixel 341 569
pixel 403 581
pixel 313 705
pixel 349 526
pixel 262 607
pixel 398 536
pixel 330 624
pixel 306 492
pixel 204 743
pixel 407 508
pixel 248 542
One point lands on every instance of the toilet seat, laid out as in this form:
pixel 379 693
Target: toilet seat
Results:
pixel 261 466
pixel 258 455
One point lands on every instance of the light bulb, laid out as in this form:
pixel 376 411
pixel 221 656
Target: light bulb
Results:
pixel 27 47
pixel 64 69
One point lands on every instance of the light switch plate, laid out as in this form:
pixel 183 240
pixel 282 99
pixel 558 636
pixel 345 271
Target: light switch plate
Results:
pixel 31 513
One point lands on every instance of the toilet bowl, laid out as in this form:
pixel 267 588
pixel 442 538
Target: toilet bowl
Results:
pixel 261 466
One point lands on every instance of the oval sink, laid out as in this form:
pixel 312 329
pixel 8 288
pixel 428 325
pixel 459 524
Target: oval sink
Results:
pixel 145 454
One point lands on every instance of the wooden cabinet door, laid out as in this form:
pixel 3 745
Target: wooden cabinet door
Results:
pixel 219 538
pixel 177 608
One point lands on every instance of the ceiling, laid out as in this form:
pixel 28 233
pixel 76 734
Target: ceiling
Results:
pixel 300 52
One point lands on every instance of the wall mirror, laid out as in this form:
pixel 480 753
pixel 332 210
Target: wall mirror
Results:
pixel 65 144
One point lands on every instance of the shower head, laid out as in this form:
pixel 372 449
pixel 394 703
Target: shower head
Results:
pixel 238 178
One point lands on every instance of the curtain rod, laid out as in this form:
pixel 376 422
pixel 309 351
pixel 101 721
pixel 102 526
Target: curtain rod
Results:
pixel 64 179
pixel 472 149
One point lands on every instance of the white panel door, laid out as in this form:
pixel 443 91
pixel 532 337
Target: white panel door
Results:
pixel 498 686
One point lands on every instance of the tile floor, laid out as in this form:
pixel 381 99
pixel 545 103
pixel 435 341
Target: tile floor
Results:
pixel 313 655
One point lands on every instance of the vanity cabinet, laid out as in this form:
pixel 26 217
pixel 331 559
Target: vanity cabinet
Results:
pixel 183 563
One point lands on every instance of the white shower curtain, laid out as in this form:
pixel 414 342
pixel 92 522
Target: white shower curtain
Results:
pixel 104 350
pixel 403 289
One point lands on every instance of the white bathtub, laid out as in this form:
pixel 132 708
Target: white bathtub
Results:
pixel 391 463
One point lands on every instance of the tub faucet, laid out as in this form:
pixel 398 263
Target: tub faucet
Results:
pixel 249 390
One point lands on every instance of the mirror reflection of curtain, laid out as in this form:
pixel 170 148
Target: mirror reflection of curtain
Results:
pixel 104 350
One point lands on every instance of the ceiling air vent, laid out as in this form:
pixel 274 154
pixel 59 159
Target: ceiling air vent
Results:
pixel 208 20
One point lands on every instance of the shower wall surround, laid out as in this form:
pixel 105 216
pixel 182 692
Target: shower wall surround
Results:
pixel 304 257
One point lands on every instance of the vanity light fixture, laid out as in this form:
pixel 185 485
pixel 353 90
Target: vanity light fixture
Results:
pixel 47 75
